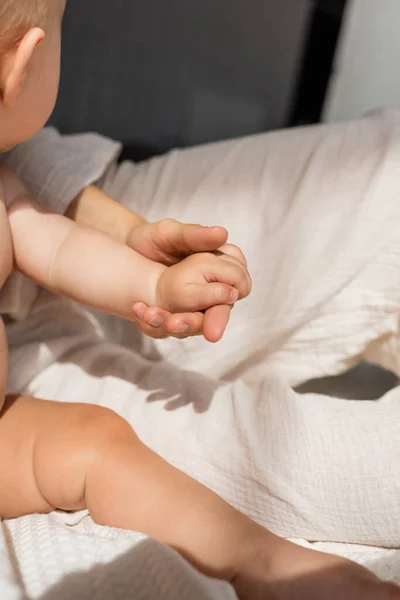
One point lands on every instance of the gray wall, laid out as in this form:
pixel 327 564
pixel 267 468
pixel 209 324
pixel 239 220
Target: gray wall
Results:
pixel 367 73
pixel 178 72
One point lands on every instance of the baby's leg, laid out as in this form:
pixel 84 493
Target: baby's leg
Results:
pixel 304 466
pixel 76 456
pixel 73 456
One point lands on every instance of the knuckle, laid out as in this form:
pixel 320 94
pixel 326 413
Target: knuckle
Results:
pixel 198 259
pixel 233 251
pixel 164 226
pixel 241 277
pixel 169 221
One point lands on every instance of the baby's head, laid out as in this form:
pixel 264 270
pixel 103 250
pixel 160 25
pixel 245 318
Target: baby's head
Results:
pixel 30 39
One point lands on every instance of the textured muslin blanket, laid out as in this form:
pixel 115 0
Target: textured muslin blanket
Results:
pixel 317 213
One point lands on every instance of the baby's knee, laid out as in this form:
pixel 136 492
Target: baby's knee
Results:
pixel 102 430
pixel 85 438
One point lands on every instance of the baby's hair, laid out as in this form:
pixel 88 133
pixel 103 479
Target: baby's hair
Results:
pixel 18 16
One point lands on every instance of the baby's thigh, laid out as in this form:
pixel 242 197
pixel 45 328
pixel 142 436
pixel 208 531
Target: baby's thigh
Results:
pixel 45 448
pixel 18 428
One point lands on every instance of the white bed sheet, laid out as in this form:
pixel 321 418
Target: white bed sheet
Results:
pixel 64 557
pixel 339 300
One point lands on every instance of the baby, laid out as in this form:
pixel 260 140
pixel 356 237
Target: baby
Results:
pixel 72 457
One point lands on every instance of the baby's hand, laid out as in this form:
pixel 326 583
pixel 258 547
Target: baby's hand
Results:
pixel 169 242
pixel 201 281
pixel 218 276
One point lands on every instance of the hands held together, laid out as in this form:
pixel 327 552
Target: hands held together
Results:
pixel 196 280
pixel 203 278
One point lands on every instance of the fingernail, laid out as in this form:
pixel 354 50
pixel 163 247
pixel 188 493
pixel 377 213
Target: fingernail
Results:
pixel 156 321
pixel 139 313
pixel 234 296
pixel 184 328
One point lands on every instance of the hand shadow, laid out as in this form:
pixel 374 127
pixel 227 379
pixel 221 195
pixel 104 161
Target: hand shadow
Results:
pixel 162 381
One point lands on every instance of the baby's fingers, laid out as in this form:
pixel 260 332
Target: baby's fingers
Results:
pixel 159 324
pixel 234 252
pixel 201 296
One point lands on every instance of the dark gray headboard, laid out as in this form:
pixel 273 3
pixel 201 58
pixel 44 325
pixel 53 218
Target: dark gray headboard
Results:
pixel 161 73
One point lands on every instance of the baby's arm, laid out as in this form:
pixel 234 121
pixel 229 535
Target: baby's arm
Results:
pixel 79 262
pixel 167 242
pixel 97 270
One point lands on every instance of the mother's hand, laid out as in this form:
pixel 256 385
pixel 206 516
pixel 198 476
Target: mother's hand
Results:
pixel 169 241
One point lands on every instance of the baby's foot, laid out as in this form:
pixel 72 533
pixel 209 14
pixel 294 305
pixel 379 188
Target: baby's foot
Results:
pixel 296 573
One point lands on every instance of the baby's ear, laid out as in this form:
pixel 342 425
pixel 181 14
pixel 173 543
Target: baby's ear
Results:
pixel 15 63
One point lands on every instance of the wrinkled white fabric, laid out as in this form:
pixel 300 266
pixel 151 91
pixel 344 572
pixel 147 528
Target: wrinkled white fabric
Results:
pixel 56 168
pixel 317 212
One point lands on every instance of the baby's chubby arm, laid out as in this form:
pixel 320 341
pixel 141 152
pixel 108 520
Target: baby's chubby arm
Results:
pixel 99 271
pixel 76 261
